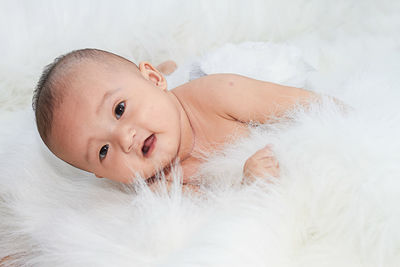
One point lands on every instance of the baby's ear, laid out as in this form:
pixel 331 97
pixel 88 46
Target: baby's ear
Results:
pixel 151 74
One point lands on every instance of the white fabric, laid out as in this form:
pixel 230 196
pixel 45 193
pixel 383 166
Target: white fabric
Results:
pixel 336 202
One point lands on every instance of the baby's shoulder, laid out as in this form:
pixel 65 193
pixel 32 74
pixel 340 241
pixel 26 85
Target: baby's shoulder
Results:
pixel 210 88
pixel 214 82
pixel 208 92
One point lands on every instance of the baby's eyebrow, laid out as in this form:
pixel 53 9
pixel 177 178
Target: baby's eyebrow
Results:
pixel 105 97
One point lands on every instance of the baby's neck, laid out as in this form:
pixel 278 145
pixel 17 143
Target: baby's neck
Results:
pixel 191 134
pixel 187 134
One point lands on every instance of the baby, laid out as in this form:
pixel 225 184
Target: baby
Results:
pixel 104 114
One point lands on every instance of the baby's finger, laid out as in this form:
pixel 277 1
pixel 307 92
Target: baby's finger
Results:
pixel 266 151
pixel 270 146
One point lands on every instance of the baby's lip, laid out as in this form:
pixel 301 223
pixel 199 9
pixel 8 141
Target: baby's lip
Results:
pixel 148 145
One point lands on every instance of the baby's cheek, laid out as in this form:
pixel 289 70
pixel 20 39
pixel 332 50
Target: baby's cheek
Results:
pixel 120 169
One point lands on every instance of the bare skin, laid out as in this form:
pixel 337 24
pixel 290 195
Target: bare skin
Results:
pixel 261 164
pixel 167 67
pixel 226 115
pixel 193 119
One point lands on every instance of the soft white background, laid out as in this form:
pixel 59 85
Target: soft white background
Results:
pixel 337 200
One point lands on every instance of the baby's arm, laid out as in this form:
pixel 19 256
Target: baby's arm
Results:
pixel 247 100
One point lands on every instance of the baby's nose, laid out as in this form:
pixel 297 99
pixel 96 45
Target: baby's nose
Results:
pixel 127 140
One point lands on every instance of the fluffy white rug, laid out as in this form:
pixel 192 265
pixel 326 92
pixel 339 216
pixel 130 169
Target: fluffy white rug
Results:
pixel 337 201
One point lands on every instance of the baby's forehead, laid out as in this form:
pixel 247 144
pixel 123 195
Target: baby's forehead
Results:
pixel 81 69
pixel 80 74
pixel 88 82
pixel 98 70
pixel 95 76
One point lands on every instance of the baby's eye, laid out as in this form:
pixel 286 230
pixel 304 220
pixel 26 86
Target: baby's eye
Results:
pixel 119 110
pixel 103 152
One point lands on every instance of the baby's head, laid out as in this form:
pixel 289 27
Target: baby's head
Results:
pixel 103 114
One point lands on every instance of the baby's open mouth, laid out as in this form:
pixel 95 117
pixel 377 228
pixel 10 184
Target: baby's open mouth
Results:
pixel 148 145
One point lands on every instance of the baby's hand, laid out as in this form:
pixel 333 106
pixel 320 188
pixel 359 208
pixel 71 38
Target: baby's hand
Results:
pixel 261 164
pixel 167 67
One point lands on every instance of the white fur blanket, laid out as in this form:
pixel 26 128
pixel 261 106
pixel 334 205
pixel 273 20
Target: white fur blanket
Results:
pixel 335 204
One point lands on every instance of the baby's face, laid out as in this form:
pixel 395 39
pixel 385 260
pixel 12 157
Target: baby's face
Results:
pixel 117 122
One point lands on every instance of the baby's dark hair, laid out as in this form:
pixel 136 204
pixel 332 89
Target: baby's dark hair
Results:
pixel 47 94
